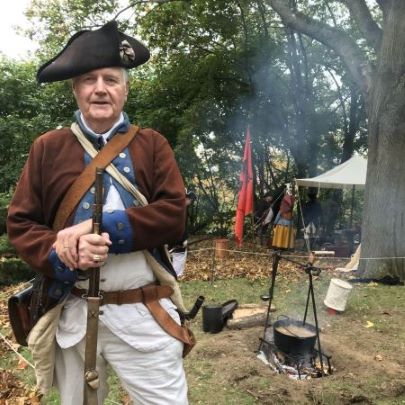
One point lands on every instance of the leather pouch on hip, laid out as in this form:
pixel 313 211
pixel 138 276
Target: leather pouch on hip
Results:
pixel 20 314
pixel 27 306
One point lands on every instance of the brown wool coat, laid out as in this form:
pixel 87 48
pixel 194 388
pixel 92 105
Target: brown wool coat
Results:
pixel 56 159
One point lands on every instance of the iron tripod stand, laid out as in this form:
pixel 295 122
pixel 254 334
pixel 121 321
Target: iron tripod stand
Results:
pixel 311 271
pixel 269 297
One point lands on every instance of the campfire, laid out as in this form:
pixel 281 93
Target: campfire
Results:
pixel 290 346
pixel 298 366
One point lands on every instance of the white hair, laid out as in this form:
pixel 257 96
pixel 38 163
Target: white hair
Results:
pixel 125 75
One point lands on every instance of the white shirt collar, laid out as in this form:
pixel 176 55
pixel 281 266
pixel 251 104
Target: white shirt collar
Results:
pixel 105 135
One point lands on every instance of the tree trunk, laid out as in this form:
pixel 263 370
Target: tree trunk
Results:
pixel 352 125
pixel 383 242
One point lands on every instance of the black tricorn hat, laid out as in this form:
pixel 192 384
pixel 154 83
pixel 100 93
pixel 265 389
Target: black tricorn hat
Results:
pixel 90 50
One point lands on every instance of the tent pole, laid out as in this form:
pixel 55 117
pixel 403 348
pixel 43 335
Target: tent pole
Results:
pixel 351 208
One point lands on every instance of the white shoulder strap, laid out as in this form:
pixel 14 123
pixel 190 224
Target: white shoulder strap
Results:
pixel 111 169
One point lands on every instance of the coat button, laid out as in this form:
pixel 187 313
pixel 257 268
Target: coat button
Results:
pixel 121 241
pixel 86 205
pixel 126 169
pixel 92 190
pixel 122 155
pixel 120 226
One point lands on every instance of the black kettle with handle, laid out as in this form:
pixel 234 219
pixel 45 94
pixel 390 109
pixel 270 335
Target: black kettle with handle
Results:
pixel 215 317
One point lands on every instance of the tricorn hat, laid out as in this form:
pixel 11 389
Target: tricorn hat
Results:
pixel 89 50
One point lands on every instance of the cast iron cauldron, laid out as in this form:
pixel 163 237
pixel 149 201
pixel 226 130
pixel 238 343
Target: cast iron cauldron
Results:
pixel 289 341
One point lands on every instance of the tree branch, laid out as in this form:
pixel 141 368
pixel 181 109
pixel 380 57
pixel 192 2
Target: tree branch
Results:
pixel 354 59
pixel 360 12
pixel 134 3
pixel 262 13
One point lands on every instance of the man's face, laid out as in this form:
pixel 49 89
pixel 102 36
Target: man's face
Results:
pixel 100 96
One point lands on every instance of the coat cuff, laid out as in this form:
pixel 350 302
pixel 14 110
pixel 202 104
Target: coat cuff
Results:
pixel 60 271
pixel 117 225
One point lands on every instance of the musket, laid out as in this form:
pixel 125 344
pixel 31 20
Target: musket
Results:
pixel 91 378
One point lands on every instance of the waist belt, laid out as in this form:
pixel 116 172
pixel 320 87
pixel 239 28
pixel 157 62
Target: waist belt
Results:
pixel 149 295
pixel 129 296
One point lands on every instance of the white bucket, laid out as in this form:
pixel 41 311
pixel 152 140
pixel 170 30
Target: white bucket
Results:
pixel 337 295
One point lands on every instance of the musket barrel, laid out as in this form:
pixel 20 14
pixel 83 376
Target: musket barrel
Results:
pixel 91 380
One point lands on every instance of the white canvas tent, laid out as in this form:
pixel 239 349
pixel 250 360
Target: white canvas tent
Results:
pixel 348 174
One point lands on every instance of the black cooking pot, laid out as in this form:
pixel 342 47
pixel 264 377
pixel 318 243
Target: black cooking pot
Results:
pixel 293 337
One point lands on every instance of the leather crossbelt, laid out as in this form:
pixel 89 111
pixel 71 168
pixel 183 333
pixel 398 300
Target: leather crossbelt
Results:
pixel 149 295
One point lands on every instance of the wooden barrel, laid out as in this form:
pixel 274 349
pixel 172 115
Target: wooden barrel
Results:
pixel 221 248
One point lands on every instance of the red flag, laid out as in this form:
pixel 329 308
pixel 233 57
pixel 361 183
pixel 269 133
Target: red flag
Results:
pixel 245 197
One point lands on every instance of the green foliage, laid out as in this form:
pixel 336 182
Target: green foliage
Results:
pixel 26 110
pixel 5 246
pixel 217 66
pixel 4 201
pixel 13 270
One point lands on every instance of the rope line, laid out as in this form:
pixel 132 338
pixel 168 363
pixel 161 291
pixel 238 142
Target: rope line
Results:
pixel 10 345
pixel 265 254
pixel 296 255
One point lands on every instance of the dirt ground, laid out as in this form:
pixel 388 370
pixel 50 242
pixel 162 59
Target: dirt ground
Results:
pixel 366 344
pixel 368 363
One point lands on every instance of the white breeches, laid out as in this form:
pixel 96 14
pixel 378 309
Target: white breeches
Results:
pixel 150 378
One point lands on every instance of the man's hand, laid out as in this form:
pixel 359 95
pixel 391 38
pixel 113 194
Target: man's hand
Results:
pixel 67 240
pixel 93 250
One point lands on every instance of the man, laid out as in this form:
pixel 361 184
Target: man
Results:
pixel 312 215
pixel 263 216
pixel 179 249
pixel 147 360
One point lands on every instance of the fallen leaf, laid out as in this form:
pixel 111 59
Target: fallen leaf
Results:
pixel 22 365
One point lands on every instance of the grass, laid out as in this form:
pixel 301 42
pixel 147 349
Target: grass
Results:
pixel 378 304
